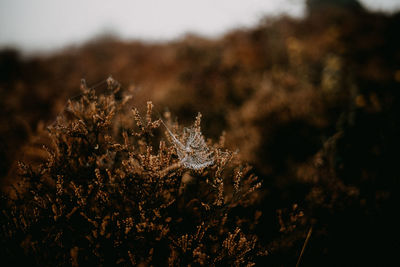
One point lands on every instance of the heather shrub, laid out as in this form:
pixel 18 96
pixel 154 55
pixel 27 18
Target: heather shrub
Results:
pixel 116 190
pixel 310 103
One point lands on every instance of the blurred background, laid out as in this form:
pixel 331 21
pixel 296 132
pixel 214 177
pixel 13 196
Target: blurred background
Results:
pixel 306 90
pixel 45 25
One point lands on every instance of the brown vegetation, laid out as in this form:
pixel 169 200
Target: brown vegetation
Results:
pixel 106 195
pixel 311 104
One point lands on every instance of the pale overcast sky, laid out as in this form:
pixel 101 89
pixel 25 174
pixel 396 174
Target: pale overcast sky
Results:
pixel 40 25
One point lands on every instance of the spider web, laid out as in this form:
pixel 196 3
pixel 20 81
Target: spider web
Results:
pixel 193 151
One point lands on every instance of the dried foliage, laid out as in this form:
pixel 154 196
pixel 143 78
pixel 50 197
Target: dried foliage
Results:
pixel 107 196
pixel 310 103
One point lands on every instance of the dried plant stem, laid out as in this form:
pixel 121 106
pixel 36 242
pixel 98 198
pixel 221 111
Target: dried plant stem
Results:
pixel 304 246
pixel 169 168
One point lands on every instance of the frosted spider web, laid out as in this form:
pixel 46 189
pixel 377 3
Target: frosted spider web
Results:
pixel 193 151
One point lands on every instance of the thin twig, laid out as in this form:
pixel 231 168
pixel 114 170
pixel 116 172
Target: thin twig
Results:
pixel 304 246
